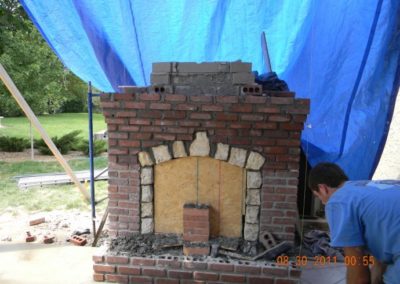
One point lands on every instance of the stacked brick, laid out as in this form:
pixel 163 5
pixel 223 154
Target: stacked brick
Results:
pixel 187 270
pixel 196 229
pixel 270 125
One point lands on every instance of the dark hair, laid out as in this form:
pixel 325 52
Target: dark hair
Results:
pixel 326 173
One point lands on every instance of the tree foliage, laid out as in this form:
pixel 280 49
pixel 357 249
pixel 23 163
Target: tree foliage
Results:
pixel 37 72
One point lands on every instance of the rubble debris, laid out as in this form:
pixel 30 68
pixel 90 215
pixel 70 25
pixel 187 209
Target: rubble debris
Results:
pixel 48 239
pixel 30 238
pixel 6 239
pixel 318 243
pixel 267 239
pixel 234 255
pixel 273 252
pixel 214 250
pixel 78 240
pixel 37 221
pixel 80 232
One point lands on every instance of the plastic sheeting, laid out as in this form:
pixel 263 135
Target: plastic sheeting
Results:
pixel 343 55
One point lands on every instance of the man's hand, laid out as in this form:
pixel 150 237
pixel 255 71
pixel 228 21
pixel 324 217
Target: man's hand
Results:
pixel 358 273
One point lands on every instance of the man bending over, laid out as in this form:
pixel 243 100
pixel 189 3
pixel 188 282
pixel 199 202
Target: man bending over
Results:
pixel 364 219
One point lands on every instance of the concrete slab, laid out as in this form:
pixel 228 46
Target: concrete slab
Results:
pixel 35 263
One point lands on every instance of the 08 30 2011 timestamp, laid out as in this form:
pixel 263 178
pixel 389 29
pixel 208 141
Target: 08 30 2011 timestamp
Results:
pixel 302 260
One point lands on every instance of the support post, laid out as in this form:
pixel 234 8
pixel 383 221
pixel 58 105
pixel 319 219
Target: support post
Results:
pixel 92 196
pixel 33 119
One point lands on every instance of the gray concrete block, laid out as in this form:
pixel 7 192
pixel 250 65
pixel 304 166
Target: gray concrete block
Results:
pixel 160 79
pixel 243 78
pixel 239 66
pixel 205 67
pixel 161 67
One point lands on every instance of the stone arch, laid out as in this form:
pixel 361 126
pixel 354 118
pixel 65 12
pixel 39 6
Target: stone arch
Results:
pixel 251 161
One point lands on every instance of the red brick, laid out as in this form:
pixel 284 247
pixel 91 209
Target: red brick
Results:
pixel 204 212
pixel 291 126
pixel 241 108
pixel 165 137
pixel 139 121
pixel 286 281
pixel 117 259
pixel 151 114
pixel 226 267
pixel 266 125
pixel 179 274
pixel 117 278
pixel 177 130
pixel 264 109
pixel 226 117
pixel 226 132
pixel 240 125
pixel 214 124
pixel 158 272
pixel 186 107
pixel 205 276
pixel 135 105
pixel 232 278
pixel 123 114
pixel 192 282
pixel 240 141
pixel 198 115
pixel 115 120
pixel 195 238
pixel 201 98
pixel 190 123
pixel 280 94
pixel 175 98
pixel 280 118
pixel 164 122
pixel 255 99
pixel 143 261
pixel 104 268
pixel 128 128
pixel 260 280
pixel 275 150
pixel 106 105
pixel 282 101
pixel 252 117
pixel 287 142
pixel 167 281
pixel 174 114
pixel 212 108
pixel 141 280
pixel 98 258
pixel 98 277
pixel 160 106
pixel 149 97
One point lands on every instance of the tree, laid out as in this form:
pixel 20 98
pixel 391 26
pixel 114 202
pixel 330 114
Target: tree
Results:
pixel 40 76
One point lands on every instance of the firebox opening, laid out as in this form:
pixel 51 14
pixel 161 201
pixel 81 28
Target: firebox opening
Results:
pixel 199 180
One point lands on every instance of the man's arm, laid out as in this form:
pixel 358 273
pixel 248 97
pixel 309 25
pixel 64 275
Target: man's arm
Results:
pixel 359 273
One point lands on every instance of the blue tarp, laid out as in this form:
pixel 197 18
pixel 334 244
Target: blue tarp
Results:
pixel 343 55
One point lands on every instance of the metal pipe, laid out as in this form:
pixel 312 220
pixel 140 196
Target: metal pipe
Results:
pixel 92 194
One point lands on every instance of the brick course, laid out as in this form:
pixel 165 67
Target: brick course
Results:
pixel 153 270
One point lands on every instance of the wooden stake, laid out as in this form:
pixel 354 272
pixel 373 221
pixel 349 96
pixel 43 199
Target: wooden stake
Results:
pixel 33 119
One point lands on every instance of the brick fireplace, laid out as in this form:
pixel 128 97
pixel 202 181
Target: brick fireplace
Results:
pixel 202 134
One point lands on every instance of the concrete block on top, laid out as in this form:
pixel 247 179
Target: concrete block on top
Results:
pixel 161 67
pixel 205 67
pixel 160 79
pixel 239 66
pixel 243 78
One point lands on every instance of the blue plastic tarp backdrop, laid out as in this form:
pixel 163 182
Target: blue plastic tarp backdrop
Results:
pixel 343 55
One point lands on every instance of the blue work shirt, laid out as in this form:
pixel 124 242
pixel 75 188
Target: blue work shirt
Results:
pixel 366 213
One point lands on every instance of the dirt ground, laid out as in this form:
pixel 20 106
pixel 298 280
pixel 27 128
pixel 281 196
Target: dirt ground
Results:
pixel 58 224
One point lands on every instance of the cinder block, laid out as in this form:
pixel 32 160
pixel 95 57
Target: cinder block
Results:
pixel 242 78
pixel 161 79
pixel 240 66
pixel 161 67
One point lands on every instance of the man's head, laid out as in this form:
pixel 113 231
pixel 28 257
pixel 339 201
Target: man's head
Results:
pixel 324 179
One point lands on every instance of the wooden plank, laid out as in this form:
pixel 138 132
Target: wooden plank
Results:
pixel 33 119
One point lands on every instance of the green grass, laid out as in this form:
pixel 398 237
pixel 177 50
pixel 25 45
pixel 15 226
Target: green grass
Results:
pixel 54 197
pixel 55 125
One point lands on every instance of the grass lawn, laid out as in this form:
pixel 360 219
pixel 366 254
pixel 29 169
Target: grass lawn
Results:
pixel 55 125
pixel 54 197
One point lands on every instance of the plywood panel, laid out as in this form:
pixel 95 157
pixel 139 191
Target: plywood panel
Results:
pixel 201 179
pixel 231 196
pixel 174 185
pixel 209 187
